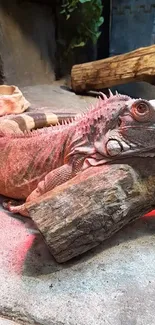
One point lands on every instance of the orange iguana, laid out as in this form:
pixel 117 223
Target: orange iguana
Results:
pixel 35 162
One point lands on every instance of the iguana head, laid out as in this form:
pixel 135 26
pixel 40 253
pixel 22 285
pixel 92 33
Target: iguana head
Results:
pixel 122 127
pixel 129 130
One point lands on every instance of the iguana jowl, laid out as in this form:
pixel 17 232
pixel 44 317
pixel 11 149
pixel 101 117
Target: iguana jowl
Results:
pixel 32 164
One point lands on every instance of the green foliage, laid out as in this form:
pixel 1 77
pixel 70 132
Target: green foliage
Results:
pixel 87 17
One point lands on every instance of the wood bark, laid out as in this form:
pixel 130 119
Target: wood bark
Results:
pixel 138 65
pixel 86 210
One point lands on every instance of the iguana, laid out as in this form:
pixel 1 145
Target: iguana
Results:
pixel 35 162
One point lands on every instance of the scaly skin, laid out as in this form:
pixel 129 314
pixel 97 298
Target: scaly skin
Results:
pixel 33 164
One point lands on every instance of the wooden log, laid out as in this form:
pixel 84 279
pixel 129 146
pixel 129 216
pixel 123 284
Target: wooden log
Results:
pixel 86 210
pixel 138 65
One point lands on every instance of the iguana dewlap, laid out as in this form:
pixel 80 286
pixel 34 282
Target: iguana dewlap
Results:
pixel 32 164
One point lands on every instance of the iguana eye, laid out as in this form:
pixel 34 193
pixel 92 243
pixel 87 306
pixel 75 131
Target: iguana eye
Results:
pixel 141 111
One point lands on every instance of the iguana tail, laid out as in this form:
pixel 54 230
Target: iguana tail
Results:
pixel 31 120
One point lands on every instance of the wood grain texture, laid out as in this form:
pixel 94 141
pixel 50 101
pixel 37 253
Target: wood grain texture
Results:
pixel 88 209
pixel 138 65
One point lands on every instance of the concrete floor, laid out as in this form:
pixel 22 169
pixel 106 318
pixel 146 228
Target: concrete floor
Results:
pixel 56 98
pixel 112 284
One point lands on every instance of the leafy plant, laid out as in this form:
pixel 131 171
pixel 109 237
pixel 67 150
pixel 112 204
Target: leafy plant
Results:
pixel 88 17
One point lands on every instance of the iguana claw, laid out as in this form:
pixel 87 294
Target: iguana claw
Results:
pixel 15 209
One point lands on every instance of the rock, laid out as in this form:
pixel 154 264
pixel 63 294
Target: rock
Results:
pixel 30 41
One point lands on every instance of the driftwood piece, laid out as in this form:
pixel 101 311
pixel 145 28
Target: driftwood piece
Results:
pixel 138 65
pixel 85 211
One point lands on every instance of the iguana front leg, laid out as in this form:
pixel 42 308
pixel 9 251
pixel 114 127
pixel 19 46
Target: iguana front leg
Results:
pixel 56 177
